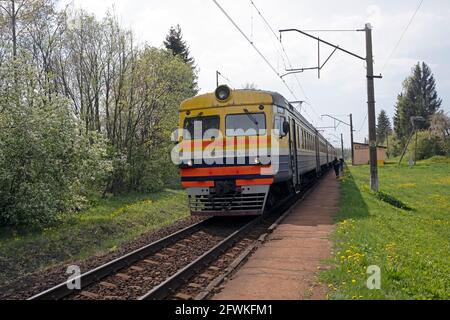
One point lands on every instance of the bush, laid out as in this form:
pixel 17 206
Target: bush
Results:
pixel 47 163
pixel 395 146
pixel 428 145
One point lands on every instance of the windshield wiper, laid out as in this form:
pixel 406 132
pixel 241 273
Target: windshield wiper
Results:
pixel 252 117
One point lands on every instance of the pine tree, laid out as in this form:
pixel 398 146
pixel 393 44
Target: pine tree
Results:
pixel 175 43
pixel 383 127
pixel 418 98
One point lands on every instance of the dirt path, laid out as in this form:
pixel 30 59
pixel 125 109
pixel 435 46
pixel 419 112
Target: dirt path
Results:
pixel 286 266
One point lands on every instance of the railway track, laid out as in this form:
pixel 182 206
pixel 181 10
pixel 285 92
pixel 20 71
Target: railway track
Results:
pixel 188 264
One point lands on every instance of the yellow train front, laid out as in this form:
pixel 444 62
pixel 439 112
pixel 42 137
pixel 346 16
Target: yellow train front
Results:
pixel 242 151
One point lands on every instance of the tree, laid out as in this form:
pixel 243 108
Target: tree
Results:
pixel 440 127
pixel 175 43
pixel 82 108
pixel 418 98
pixel 46 166
pixel 250 86
pixel 383 127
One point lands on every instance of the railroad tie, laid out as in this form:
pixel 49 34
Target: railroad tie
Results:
pixel 194 285
pixel 182 296
pixel 213 268
pixel 171 250
pixel 206 275
pixel 151 262
pixel 89 295
pixel 123 276
pixel 108 285
pixel 136 268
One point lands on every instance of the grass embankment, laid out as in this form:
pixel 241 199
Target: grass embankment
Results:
pixel 412 246
pixel 101 229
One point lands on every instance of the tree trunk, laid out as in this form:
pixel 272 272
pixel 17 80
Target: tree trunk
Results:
pixel 13 27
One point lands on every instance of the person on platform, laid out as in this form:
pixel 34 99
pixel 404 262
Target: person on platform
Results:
pixel 336 167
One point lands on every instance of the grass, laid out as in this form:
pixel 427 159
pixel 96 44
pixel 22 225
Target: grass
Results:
pixel 411 247
pixel 101 229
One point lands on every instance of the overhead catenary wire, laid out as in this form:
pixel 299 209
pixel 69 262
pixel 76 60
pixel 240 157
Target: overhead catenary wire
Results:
pixel 363 123
pixel 330 30
pixel 287 59
pixel 226 79
pixel 402 36
pixel 254 47
pixel 269 27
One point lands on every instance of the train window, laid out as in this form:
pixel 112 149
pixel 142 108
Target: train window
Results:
pixel 206 123
pixel 247 124
pixel 280 110
pixel 277 124
pixel 304 140
pixel 307 141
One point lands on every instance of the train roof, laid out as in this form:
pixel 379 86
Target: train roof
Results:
pixel 243 97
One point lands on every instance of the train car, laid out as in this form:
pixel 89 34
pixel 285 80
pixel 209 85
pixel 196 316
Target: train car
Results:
pixel 241 151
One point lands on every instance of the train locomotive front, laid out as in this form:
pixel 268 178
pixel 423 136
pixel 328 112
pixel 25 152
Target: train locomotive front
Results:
pixel 240 151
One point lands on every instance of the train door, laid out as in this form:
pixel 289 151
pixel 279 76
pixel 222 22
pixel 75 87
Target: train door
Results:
pixel 293 137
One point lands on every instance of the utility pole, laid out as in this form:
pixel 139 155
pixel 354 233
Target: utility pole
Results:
pixel 370 89
pixel 217 79
pixel 387 143
pixel 347 124
pixel 351 137
pixel 371 111
pixel 342 146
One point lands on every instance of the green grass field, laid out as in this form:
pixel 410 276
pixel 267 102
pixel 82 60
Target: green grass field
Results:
pixel 104 227
pixel 412 247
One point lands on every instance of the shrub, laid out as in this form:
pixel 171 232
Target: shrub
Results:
pixel 47 163
pixel 428 145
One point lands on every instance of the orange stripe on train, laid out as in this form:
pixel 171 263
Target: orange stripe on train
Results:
pixel 261 142
pixel 222 171
pixel 197 184
pixel 253 182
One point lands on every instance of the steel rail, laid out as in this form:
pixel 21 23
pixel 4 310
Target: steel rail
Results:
pixel 174 282
pixel 62 290
pixel 171 284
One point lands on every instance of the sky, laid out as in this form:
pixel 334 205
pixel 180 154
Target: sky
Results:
pixel 217 45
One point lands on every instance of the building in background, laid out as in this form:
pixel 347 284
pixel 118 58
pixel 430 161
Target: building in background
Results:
pixel 362 154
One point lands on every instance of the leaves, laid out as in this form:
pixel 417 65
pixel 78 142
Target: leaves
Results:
pixel 83 109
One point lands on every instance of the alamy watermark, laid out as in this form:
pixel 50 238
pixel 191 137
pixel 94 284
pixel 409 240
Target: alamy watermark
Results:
pixel 374 280
pixel 74 281
pixel 212 148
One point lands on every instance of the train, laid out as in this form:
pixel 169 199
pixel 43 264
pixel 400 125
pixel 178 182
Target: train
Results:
pixel 241 152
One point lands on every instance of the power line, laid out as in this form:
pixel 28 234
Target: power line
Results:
pixel 265 21
pixel 267 24
pixel 363 123
pixel 287 58
pixel 402 35
pixel 331 30
pixel 254 47
pixel 225 78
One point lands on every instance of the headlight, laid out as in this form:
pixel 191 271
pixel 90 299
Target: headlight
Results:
pixel 257 161
pixel 190 163
pixel 223 93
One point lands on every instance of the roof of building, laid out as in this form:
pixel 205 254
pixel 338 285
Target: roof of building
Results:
pixel 367 145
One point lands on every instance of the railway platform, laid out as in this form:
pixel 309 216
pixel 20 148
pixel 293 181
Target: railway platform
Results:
pixel 285 267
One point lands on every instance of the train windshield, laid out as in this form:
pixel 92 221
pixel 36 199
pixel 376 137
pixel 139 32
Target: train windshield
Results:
pixel 247 124
pixel 205 123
